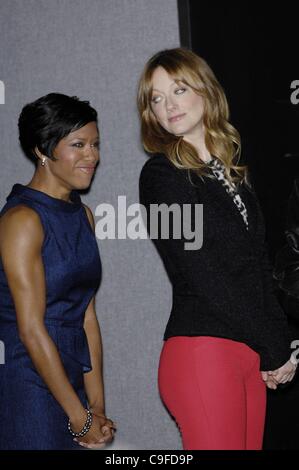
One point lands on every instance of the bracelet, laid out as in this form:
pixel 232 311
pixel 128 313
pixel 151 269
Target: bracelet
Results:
pixel 85 428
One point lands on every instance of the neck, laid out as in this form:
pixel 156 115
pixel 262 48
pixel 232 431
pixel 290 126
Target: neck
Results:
pixel 47 185
pixel 198 142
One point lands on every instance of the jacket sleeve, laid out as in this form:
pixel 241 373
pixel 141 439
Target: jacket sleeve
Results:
pixel 277 336
pixel 293 209
pixel 162 183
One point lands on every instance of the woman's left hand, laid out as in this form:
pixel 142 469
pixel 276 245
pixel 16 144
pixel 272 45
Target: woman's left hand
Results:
pixel 108 427
pixel 269 380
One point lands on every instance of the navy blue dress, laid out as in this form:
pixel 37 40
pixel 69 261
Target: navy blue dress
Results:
pixel 30 416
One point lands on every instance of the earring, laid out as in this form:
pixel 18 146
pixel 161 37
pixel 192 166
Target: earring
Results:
pixel 43 161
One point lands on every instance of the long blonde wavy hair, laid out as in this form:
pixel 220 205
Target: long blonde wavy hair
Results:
pixel 221 138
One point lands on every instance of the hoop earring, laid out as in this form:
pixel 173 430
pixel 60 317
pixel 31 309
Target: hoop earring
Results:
pixel 43 161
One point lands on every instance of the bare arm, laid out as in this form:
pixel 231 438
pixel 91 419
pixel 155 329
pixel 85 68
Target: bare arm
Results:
pixel 93 380
pixel 21 238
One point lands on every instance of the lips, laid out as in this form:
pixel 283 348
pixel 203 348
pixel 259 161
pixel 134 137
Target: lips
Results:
pixel 87 169
pixel 176 118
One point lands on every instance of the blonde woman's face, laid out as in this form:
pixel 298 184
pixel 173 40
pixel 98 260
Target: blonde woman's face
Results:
pixel 177 108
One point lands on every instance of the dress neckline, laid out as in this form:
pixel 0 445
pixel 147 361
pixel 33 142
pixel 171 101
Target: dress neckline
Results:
pixel 35 195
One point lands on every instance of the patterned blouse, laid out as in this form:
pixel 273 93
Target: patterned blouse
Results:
pixel 218 170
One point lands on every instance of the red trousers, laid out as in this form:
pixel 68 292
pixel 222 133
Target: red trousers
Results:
pixel 214 390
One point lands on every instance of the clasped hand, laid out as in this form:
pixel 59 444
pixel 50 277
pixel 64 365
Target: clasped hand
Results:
pixel 100 433
pixel 279 376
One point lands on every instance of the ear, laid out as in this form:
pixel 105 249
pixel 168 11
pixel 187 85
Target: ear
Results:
pixel 38 153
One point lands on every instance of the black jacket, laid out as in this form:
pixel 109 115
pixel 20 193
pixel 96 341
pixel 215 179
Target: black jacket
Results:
pixel 286 270
pixel 225 288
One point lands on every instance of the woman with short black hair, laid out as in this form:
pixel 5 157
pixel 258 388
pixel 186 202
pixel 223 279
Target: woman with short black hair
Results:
pixel 51 388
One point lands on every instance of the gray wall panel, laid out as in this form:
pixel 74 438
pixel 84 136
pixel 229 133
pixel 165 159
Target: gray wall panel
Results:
pixel 96 49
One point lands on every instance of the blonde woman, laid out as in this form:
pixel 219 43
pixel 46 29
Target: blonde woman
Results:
pixel 227 337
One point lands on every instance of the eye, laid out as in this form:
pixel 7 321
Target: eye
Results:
pixel 96 145
pixel 78 145
pixel 180 91
pixel 156 99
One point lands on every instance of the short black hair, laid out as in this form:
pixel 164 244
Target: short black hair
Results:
pixel 47 120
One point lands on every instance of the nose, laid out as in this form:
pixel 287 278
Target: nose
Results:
pixel 170 104
pixel 91 154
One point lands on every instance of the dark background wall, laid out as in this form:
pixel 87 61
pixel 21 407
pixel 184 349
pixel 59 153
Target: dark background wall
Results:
pixel 252 49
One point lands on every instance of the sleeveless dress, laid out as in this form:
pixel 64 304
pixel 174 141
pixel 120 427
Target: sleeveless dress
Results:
pixel 30 416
